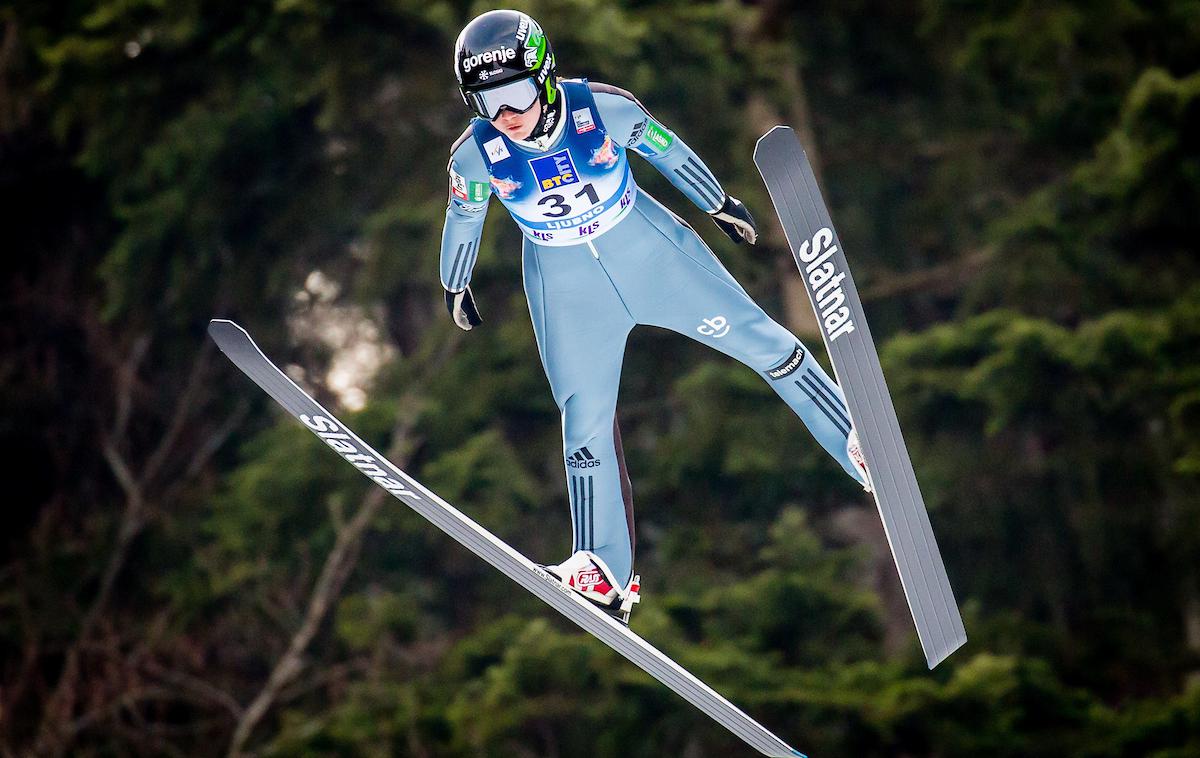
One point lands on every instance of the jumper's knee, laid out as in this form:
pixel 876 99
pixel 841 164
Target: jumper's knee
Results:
pixel 586 423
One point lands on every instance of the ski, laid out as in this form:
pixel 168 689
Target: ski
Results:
pixel 237 345
pixel 818 252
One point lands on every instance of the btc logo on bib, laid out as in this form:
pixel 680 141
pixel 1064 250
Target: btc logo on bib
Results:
pixel 554 170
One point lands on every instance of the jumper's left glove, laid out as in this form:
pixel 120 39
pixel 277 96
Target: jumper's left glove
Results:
pixel 462 308
pixel 735 220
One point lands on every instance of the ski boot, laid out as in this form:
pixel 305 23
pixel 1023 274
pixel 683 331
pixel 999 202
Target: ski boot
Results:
pixel 585 573
pixel 854 450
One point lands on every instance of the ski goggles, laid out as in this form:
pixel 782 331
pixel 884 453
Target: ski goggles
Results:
pixel 518 96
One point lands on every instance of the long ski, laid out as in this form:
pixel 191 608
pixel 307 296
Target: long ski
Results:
pixel 818 252
pixel 237 345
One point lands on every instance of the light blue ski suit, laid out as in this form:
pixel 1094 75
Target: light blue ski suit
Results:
pixel 600 256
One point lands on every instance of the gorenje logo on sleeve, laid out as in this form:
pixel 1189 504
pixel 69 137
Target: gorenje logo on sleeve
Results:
pixel 503 55
pixel 825 283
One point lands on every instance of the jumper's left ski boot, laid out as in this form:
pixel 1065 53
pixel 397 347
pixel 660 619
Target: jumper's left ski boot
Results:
pixel 854 450
pixel 585 573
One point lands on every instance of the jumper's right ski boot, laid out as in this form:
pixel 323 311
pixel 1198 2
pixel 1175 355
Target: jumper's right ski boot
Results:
pixel 585 573
pixel 854 450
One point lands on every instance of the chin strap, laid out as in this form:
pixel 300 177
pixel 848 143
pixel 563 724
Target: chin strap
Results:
pixel 551 112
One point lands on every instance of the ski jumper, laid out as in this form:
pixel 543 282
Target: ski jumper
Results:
pixel 601 256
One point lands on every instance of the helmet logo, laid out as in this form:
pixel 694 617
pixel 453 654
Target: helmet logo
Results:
pixel 502 55
pixel 535 49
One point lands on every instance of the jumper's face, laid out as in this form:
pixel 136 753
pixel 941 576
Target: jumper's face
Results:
pixel 518 125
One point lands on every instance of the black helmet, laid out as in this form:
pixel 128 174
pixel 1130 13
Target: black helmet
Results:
pixel 502 59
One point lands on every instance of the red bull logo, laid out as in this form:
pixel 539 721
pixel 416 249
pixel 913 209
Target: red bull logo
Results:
pixel 605 155
pixel 505 187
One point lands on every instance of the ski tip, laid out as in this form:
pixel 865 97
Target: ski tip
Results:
pixel 771 134
pixel 222 330
pixel 799 754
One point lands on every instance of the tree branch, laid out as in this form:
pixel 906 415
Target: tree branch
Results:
pixel 126 373
pixel 198 687
pixel 184 407
pixel 51 739
pixel 951 274
pixel 338 566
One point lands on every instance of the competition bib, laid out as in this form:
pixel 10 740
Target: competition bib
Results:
pixel 574 192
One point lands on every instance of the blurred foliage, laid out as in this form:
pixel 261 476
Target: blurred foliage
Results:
pixel 1033 167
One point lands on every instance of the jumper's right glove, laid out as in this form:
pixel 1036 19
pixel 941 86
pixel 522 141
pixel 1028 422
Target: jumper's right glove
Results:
pixel 733 219
pixel 462 307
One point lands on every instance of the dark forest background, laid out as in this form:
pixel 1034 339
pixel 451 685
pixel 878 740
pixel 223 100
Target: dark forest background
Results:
pixel 184 571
